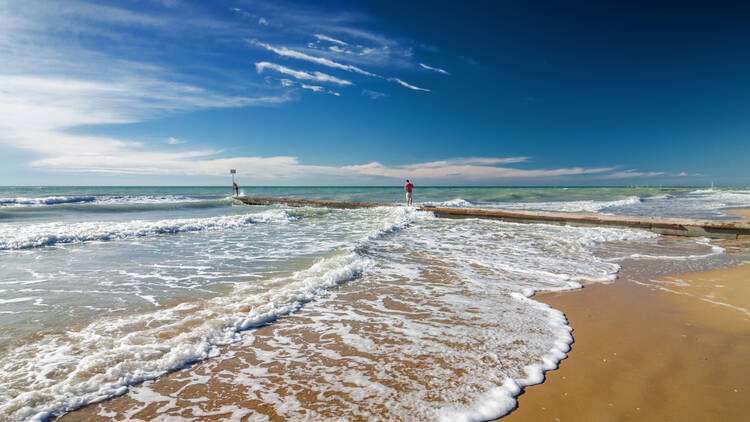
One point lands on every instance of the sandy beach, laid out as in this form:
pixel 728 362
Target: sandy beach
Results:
pixel 681 356
pixel 666 349
pixel 254 211
pixel 676 358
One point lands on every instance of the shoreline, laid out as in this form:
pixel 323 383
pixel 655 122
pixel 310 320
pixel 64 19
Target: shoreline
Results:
pixel 604 306
pixel 666 350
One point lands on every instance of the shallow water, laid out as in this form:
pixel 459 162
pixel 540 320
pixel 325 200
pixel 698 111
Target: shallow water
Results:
pixel 103 288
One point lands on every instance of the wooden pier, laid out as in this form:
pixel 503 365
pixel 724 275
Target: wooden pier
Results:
pixel 718 229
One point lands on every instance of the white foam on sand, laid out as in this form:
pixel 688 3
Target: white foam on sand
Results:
pixel 439 328
pixel 439 325
pixel 63 371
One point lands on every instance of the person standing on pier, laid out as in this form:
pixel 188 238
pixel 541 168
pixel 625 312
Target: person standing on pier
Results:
pixel 408 188
pixel 236 189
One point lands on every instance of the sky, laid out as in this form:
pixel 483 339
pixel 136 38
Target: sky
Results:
pixel 173 92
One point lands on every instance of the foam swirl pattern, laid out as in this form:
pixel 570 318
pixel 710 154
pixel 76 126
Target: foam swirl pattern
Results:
pixel 307 313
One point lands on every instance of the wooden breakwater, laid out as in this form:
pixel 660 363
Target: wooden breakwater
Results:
pixel 719 229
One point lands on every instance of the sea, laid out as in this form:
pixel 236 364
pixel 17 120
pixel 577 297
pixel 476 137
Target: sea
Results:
pixel 385 313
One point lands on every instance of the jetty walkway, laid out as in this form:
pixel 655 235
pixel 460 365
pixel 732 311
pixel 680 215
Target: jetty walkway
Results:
pixel 717 229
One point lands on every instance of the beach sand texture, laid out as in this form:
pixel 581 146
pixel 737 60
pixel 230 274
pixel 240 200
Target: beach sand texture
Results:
pixel 667 349
pixel 642 353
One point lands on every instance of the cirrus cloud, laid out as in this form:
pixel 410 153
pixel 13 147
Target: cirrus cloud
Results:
pixel 299 74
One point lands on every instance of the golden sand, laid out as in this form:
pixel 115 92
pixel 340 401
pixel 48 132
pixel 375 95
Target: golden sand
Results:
pixel 646 354
pixel 743 213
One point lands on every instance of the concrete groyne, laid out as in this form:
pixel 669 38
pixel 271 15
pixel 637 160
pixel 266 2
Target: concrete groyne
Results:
pixel 718 229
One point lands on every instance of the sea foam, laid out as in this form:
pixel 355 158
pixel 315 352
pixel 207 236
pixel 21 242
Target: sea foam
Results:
pixel 48 234
pixel 48 200
pixel 63 371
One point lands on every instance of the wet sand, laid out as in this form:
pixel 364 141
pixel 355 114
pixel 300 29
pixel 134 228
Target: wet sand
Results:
pixel 391 350
pixel 660 351
pixel 671 349
pixel 743 213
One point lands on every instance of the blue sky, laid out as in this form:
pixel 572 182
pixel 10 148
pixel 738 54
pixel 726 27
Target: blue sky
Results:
pixel 170 92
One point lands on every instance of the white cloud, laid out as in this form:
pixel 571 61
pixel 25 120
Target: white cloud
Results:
pixel 175 141
pixel 337 49
pixel 434 69
pixel 285 52
pixel 262 21
pixel 280 168
pixel 412 87
pixel 299 74
pixel 49 86
pixel 471 161
pixel 361 34
pixel 37 113
pixel 374 94
pixel 317 88
pixel 469 170
pixel 632 173
pixel 314 88
pixel 329 39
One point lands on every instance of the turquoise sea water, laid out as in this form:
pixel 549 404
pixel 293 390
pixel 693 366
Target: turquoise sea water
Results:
pixel 104 287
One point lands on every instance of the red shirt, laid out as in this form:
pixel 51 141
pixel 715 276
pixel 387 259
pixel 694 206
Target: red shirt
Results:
pixel 408 187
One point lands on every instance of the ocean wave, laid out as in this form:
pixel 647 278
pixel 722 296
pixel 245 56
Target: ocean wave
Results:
pixel 731 198
pixel 573 206
pixel 396 219
pixel 486 258
pixel 658 197
pixel 111 203
pixel 702 191
pixel 146 199
pixel 64 371
pixel 48 200
pixel 48 234
pixel 68 370
pixel 453 203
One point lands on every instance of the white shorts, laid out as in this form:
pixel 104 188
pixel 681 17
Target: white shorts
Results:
pixel 408 196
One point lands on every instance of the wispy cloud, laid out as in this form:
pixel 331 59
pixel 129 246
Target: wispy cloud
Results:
pixel 262 21
pixel 475 169
pixel 286 52
pixel 632 173
pixel 52 82
pixel 434 69
pixel 337 49
pixel 471 161
pixel 329 39
pixel 374 94
pixel 38 111
pixel 407 85
pixel 469 60
pixel 299 74
pixel 318 88
pixel 314 88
